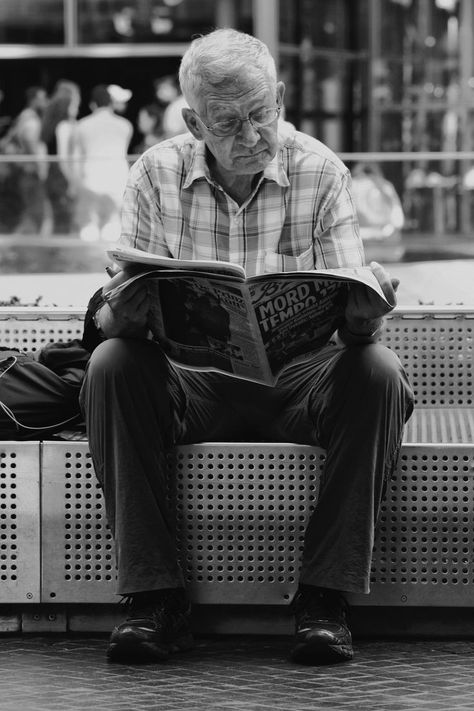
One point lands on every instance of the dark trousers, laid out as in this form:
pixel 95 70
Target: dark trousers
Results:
pixel 352 401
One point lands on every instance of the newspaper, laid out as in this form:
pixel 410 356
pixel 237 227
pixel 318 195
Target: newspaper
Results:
pixel 208 315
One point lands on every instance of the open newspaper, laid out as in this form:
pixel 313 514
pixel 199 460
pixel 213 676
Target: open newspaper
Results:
pixel 208 315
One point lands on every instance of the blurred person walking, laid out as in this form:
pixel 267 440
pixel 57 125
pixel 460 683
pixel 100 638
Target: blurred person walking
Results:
pixel 59 135
pixel 150 125
pixel 168 94
pixel 22 186
pixel 120 98
pixel 103 140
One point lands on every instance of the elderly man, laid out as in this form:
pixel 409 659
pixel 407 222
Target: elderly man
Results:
pixel 244 187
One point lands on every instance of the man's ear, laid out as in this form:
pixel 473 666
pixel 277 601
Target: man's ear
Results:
pixel 192 123
pixel 280 92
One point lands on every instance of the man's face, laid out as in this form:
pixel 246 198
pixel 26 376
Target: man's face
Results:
pixel 251 149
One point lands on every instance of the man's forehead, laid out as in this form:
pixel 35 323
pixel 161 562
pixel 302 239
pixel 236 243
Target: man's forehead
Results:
pixel 234 97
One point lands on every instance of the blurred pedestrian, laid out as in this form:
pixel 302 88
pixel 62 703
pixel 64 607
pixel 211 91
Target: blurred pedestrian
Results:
pixel 169 95
pixel 24 181
pixel 150 125
pixel 103 139
pixel 59 135
pixel 120 98
pixel 4 120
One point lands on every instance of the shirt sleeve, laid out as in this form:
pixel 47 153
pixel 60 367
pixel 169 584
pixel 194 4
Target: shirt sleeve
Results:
pixel 337 240
pixel 142 226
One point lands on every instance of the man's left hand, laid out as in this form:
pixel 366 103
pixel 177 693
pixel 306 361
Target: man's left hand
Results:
pixel 364 310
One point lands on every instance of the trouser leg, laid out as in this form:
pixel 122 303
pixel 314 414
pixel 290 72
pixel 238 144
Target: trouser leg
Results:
pixel 128 406
pixel 136 407
pixel 359 403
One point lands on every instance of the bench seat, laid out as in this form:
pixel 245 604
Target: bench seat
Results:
pixel 241 508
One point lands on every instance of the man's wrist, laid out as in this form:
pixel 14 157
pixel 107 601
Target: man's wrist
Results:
pixel 96 318
pixel 349 337
pixel 364 328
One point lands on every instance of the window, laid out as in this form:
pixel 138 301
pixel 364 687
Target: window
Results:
pixel 143 21
pixel 32 22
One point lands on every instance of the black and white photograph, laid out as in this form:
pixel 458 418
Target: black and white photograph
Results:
pixel 236 355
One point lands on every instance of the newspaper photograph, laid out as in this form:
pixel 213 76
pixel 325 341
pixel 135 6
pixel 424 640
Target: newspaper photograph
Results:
pixel 203 323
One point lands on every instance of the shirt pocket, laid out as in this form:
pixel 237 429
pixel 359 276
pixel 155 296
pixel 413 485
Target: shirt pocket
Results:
pixel 276 262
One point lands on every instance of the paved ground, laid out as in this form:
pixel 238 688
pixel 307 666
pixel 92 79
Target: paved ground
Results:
pixel 429 282
pixel 234 674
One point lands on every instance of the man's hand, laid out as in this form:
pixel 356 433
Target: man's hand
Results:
pixel 126 313
pixel 364 310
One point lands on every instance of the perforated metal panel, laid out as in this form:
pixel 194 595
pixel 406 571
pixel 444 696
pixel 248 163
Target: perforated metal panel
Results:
pixel 424 549
pixel 241 511
pixel 440 426
pixel 19 522
pixel 30 329
pixel 241 514
pixel 436 349
pixel 77 547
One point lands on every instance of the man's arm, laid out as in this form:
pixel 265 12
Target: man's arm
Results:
pixel 125 314
pixel 364 311
pixel 341 246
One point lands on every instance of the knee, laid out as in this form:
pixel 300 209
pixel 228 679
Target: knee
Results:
pixel 111 356
pixel 121 356
pixel 378 367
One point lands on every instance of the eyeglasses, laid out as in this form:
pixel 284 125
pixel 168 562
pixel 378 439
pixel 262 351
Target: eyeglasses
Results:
pixel 231 127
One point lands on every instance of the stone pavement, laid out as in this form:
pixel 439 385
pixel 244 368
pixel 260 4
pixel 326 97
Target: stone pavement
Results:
pixel 234 674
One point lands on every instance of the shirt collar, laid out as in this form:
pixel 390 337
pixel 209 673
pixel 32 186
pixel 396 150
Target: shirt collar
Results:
pixel 198 167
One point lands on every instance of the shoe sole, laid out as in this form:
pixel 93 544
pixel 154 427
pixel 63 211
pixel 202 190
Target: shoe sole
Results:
pixel 320 654
pixel 139 651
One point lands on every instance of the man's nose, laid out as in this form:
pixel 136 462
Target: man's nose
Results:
pixel 248 133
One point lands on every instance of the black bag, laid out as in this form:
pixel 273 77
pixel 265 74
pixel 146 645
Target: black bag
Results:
pixel 39 393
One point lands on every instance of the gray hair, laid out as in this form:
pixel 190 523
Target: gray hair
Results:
pixel 221 59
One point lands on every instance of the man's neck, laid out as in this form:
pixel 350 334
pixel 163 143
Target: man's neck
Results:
pixel 238 187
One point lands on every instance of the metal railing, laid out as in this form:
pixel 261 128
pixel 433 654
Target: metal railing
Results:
pixel 48 196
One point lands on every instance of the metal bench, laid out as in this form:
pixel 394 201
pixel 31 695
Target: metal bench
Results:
pixel 241 508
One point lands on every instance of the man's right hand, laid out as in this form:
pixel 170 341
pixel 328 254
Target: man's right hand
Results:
pixel 126 313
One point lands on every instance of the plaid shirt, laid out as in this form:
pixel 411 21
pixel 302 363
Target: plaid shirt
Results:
pixel 299 216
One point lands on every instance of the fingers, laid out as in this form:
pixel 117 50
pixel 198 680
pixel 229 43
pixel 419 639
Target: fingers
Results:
pixel 387 284
pixel 123 296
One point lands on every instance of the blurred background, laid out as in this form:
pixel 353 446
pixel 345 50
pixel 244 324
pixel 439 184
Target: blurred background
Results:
pixel 387 84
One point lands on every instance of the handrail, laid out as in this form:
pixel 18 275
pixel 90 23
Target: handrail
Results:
pixel 365 156
pixel 38 312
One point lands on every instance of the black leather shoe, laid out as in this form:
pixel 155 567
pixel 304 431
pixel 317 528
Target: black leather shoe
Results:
pixel 157 625
pixel 322 634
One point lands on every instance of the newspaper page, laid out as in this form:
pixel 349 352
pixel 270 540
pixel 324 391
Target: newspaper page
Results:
pixel 296 318
pixel 204 323
pixel 297 312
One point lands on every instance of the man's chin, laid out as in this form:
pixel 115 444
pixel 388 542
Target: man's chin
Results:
pixel 253 163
